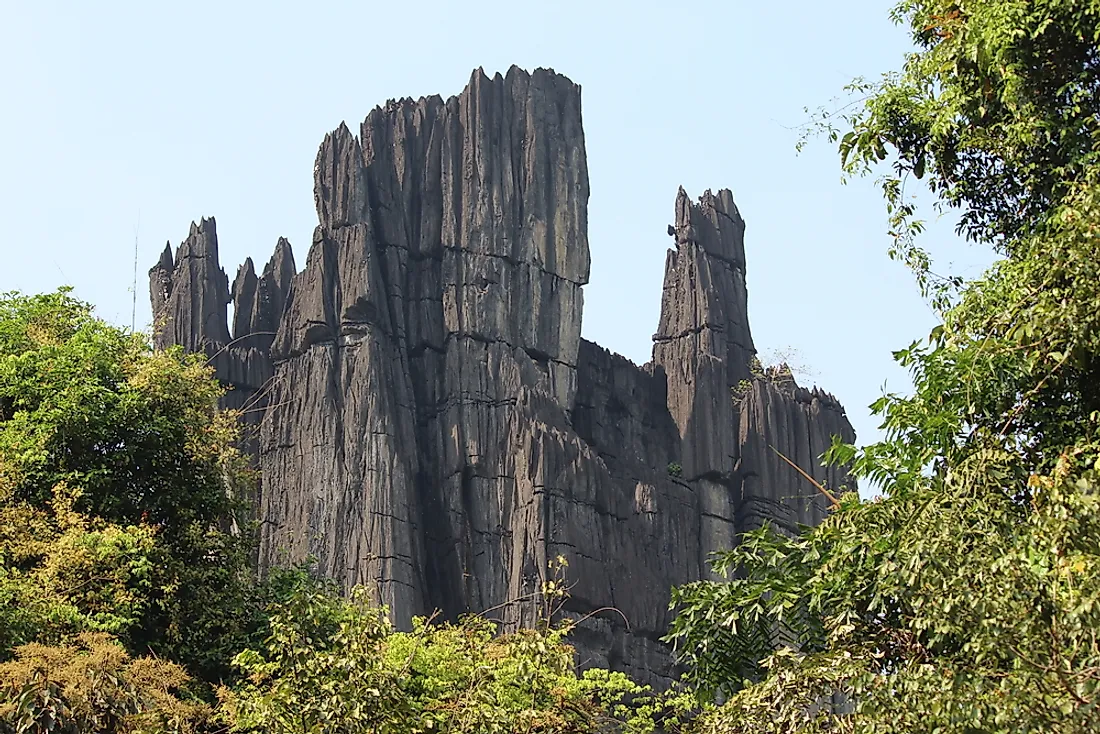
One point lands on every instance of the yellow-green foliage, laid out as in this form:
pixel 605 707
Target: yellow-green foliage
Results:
pixel 63 572
pixel 337 665
pixel 92 686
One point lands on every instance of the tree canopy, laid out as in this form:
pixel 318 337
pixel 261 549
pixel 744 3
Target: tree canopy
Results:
pixel 114 463
pixel 967 598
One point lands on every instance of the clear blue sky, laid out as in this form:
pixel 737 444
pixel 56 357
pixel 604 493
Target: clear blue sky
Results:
pixel 123 116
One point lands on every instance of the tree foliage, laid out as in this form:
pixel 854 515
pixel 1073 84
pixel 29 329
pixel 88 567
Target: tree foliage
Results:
pixel 336 664
pixel 966 599
pixel 115 471
pixel 124 598
pixel 93 685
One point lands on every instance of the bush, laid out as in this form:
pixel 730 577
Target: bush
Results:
pixel 93 685
pixel 333 664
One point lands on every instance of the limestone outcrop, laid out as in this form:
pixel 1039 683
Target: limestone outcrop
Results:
pixel 430 423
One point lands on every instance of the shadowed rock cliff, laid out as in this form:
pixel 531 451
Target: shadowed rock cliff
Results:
pixel 431 423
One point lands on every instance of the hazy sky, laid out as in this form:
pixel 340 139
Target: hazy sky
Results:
pixel 141 117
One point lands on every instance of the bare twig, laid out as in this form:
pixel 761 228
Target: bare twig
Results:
pixel 835 504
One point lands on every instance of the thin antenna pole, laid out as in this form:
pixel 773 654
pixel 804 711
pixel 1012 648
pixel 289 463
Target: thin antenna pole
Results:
pixel 133 307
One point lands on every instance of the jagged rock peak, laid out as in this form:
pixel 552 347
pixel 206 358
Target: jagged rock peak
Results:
pixel 190 297
pixel 244 298
pixel 714 223
pixel 208 227
pixel 245 271
pixel 258 301
pixel 490 164
pixel 190 292
pixel 782 377
pixel 166 261
pixel 703 340
pixel 160 280
pixel 282 259
pixel 273 290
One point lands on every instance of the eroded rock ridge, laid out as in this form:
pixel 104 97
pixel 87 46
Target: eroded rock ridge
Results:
pixel 428 420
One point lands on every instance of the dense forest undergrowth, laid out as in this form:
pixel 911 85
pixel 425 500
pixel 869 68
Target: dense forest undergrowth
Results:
pixel 966 599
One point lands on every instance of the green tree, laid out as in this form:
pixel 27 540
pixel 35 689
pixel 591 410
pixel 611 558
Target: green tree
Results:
pixel 967 599
pixel 336 664
pixel 118 579
pixel 116 471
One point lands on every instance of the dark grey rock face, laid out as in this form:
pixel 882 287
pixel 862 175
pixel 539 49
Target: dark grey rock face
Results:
pixel 430 422
pixel 779 417
pixel 190 293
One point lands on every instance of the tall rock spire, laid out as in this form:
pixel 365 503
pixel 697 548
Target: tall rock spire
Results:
pixel 703 340
pixel 736 420
pixel 440 305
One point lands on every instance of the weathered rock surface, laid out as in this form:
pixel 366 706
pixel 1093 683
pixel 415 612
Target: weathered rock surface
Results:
pixel 190 293
pixel 431 423
pixel 779 417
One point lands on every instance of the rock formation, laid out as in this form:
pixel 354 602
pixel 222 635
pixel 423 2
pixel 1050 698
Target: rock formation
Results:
pixel 189 295
pixel 431 423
